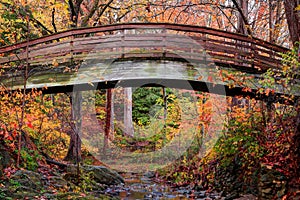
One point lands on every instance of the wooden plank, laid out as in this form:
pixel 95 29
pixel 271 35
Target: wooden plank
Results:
pixel 223 47
pixel 48 50
pixel 84 41
pixel 185 28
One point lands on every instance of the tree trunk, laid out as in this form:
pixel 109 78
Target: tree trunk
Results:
pixel 276 22
pixel 165 112
pixel 271 26
pixel 109 124
pixel 74 151
pixel 241 28
pixel 293 19
pixel 241 22
pixel 128 125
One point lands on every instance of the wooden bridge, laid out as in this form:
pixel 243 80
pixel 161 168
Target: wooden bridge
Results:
pixel 138 54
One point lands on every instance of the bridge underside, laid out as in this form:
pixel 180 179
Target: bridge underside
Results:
pixel 152 82
pixel 142 54
pixel 181 74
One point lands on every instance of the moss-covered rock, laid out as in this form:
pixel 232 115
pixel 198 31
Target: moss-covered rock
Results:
pixel 5 159
pixel 99 174
pixel 25 184
pixel 26 178
pixel 272 184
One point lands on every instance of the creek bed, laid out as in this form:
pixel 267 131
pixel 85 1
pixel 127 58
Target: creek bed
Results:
pixel 139 186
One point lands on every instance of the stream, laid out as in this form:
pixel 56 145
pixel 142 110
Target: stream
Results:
pixel 145 187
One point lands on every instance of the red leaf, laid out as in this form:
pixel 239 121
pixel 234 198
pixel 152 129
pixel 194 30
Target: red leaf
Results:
pixel 29 124
pixel 210 79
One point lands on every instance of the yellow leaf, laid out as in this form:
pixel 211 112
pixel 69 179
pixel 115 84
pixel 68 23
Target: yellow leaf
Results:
pixel 55 63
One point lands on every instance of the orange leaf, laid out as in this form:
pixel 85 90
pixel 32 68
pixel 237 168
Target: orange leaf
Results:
pixel 247 89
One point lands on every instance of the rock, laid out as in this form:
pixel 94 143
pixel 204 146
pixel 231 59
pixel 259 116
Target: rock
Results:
pixel 104 175
pixel 99 174
pixel 77 196
pixel 4 193
pixel 247 197
pixel 157 194
pixel 214 196
pixel 5 159
pixel 200 194
pixel 58 182
pixel 149 174
pixel 26 178
pixel 146 180
pixel 232 196
pixel 148 196
pixel 26 184
pixel 23 184
pixel 267 190
pixel 170 196
pixel 198 188
pixel 272 184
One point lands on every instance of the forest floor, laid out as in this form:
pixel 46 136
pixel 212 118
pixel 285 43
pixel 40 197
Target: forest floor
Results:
pixel 52 183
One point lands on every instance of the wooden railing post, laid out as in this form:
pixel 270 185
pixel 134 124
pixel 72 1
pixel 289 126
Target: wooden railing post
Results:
pixel 205 46
pixel 72 50
pixel 164 42
pixel 123 43
pixel 252 57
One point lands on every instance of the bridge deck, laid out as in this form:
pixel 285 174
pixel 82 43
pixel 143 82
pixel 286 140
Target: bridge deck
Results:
pixel 53 60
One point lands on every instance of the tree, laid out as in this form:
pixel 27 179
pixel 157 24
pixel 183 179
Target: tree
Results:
pixel 128 124
pixel 243 24
pixel 249 17
pixel 74 150
pixel 292 12
pixel 109 119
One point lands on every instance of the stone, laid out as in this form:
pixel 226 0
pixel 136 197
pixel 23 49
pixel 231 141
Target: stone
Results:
pixel 198 187
pixel 26 184
pixel 100 174
pixel 146 180
pixel 232 196
pixel 247 197
pixel 27 178
pixel 267 191
pixel 58 182
pixel 5 159
pixel 200 194
pixel 170 196
pixel 150 174
pixel 104 175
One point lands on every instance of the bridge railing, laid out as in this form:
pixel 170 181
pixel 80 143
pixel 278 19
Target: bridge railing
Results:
pixel 140 40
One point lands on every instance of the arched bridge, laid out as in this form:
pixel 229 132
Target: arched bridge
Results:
pixel 138 54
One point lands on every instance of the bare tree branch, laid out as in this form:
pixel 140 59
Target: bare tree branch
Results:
pixel 245 20
pixel 91 13
pixel 103 10
pixel 235 28
pixel 74 10
pixel 23 12
pixel 53 20
pixel 73 13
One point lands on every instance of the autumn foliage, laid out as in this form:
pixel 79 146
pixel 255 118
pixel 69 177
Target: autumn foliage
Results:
pixel 257 133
